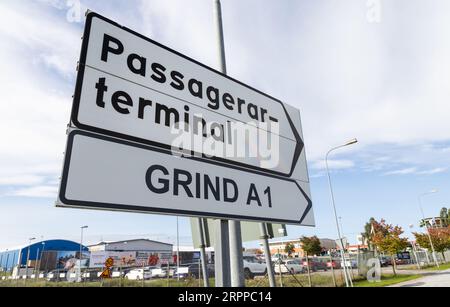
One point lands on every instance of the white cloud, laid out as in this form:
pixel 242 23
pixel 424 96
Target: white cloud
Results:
pixel 405 171
pixel 334 164
pixel 349 78
pixel 38 59
pixel 433 171
pixel 21 180
pixel 37 191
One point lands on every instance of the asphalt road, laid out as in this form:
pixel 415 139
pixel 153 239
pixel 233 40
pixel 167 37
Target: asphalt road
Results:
pixel 435 279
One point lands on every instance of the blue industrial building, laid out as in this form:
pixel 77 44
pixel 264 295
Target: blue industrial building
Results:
pixel 10 258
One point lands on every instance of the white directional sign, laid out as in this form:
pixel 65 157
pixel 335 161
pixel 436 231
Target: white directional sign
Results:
pixel 156 131
pixel 106 173
pixel 134 88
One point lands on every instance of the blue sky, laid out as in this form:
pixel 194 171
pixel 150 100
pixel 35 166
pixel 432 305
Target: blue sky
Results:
pixel 375 70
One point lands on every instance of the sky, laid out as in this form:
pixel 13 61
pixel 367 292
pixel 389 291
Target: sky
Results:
pixel 377 70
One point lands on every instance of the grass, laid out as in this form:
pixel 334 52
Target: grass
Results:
pixel 442 267
pixel 386 280
pixel 107 283
pixel 300 280
pixel 430 267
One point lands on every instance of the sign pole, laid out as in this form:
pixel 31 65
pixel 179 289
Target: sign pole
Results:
pixel 221 252
pixel 202 252
pixel 268 256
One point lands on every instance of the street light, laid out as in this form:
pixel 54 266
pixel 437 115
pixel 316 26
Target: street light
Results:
pixel 28 257
pixel 426 225
pixel 81 251
pixel 348 281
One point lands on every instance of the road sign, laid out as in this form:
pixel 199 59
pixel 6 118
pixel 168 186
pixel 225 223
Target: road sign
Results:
pixel 134 88
pixel 250 231
pixel 101 172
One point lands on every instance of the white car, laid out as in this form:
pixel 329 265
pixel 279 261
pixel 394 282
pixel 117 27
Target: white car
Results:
pixel 253 266
pixel 139 274
pixel 292 266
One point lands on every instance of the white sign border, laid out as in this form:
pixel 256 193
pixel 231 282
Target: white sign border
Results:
pixel 64 202
pixel 79 85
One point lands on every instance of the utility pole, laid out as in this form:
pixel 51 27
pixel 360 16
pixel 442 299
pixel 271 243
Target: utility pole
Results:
pixel 222 240
pixel 80 278
pixel 348 280
pixel 28 258
pixel 204 262
pixel 178 250
pixel 426 225
pixel 265 242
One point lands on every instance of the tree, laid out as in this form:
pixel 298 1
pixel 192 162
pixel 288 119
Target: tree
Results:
pixel 444 217
pixel 440 237
pixel 289 249
pixel 311 245
pixel 387 239
pixel 367 234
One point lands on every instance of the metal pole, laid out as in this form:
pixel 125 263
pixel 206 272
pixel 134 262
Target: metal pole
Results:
pixel 415 255
pixel 42 255
pixel 222 254
pixel 203 252
pixel 279 269
pixel 222 244
pixel 28 258
pixel 26 264
pixel 428 230
pixel 336 218
pixel 332 270
pixel 178 251
pixel 81 252
pixel 35 264
pixel 236 255
pixel 265 242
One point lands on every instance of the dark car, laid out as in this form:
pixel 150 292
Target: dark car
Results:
pixel 315 264
pixel 385 261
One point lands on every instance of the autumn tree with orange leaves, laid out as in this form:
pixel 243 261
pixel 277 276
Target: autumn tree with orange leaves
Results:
pixel 387 239
pixel 439 236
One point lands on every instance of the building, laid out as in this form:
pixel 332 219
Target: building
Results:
pixel 135 245
pixel 277 247
pixel 45 255
pixel 189 254
pixel 434 222
pixel 134 252
pixel 355 249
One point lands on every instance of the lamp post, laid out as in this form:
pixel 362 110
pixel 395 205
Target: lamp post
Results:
pixel 28 257
pixel 42 255
pixel 428 230
pixel 348 281
pixel 81 252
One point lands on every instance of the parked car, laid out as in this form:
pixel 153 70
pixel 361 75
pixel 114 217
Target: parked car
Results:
pixel 139 274
pixel 335 263
pixel 350 263
pixel 253 266
pixel 385 261
pixel 55 275
pixel 315 264
pixel 194 271
pixel 292 266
